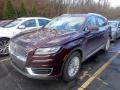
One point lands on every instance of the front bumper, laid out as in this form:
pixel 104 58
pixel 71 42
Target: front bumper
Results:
pixel 30 74
pixel 29 65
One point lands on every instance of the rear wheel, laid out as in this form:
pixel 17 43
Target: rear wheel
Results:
pixel 4 43
pixel 114 38
pixel 107 45
pixel 72 67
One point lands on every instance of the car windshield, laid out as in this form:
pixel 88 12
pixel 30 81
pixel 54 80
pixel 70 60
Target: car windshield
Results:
pixel 113 24
pixel 13 23
pixel 66 23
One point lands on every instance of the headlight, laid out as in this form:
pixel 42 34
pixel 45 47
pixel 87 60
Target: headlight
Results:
pixel 50 50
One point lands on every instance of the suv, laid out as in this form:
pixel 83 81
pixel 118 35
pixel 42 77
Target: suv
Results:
pixel 60 47
pixel 17 26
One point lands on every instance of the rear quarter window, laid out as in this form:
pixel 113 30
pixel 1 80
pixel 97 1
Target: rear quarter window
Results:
pixel 43 22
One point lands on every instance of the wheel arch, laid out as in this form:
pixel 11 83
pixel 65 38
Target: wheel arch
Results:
pixel 72 51
pixel 5 38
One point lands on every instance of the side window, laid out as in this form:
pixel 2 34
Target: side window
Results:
pixel 101 22
pixel 43 22
pixel 30 23
pixel 92 21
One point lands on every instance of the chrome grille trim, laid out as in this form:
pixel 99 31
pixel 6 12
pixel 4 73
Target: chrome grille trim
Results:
pixel 17 50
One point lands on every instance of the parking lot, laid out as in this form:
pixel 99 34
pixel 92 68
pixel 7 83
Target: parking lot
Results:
pixel 41 40
pixel 100 72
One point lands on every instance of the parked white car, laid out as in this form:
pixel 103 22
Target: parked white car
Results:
pixel 17 26
pixel 115 29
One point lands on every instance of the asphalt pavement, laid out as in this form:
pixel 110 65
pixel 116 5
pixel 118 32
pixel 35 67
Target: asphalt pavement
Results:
pixel 97 73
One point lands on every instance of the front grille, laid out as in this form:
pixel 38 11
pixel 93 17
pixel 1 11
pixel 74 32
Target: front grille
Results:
pixel 17 50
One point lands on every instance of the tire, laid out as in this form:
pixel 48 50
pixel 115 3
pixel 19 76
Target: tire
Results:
pixel 4 43
pixel 72 67
pixel 107 45
pixel 114 38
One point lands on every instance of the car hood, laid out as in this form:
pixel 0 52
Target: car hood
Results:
pixel 6 32
pixel 2 28
pixel 45 37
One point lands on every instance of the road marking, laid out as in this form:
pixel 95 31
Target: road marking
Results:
pixel 7 59
pixel 98 72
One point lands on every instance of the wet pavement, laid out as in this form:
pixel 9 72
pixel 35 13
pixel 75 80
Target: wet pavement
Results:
pixel 109 79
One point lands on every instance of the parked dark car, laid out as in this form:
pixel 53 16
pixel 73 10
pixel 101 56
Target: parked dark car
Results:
pixel 60 47
pixel 115 29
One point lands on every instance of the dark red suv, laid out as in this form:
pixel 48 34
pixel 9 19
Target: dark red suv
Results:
pixel 60 47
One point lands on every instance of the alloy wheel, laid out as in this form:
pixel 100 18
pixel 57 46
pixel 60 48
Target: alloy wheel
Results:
pixel 4 47
pixel 73 67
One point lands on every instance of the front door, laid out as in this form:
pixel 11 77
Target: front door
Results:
pixel 94 39
pixel 91 37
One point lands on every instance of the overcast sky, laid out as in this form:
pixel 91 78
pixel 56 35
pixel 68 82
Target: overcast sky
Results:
pixel 113 3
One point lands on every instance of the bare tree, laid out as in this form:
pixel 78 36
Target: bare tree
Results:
pixel 52 8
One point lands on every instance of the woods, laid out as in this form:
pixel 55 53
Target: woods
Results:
pixel 10 9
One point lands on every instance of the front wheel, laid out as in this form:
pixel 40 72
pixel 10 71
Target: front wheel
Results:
pixel 72 67
pixel 4 43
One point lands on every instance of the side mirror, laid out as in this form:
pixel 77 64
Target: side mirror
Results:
pixel 92 28
pixel 21 27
